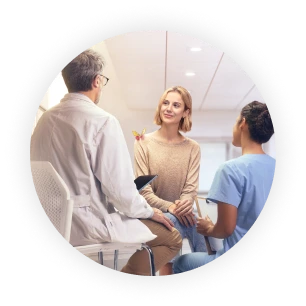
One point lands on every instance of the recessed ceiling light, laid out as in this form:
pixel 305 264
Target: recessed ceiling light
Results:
pixel 190 74
pixel 195 49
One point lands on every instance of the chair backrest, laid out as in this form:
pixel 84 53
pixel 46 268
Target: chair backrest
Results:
pixel 54 196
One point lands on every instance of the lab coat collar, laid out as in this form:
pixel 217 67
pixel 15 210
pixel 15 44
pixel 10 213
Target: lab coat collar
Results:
pixel 76 96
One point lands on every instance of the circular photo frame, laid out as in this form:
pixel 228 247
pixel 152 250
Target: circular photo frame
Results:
pixel 100 27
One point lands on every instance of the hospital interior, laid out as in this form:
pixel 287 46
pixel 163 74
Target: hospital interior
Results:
pixel 140 67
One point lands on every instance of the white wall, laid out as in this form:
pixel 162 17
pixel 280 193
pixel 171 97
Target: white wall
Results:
pixel 269 147
pixel 54 94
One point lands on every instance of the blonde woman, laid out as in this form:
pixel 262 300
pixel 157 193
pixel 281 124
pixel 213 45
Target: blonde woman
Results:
pixel 176 160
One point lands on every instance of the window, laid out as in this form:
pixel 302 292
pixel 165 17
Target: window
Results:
pixel 213 154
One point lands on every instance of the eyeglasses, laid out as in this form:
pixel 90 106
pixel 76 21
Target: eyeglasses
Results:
pixel 104 80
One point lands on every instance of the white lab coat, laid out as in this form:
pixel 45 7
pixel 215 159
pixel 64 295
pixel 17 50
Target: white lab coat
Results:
pixel 86 146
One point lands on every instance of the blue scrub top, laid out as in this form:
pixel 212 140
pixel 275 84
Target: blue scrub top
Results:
pixel 244 182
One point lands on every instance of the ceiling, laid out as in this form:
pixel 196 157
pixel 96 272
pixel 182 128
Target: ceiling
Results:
pixel 147 63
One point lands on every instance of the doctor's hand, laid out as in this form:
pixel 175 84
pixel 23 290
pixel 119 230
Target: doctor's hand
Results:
pixel 183 208
pixel 187 219
pixel 161 218
pixel 204 226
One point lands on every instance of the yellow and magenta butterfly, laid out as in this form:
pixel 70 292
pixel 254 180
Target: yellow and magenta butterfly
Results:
pixel 139 136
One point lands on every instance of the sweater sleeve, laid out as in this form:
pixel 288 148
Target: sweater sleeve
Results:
pixel 191 186
pixel 142 167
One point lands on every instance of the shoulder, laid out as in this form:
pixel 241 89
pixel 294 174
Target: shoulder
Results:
pixel 88 114
pixel 230 168
pixel 106 121
pixel 237 169
pixel 143 141
pixel 110 118
pixel 251 161
pixel 103 125
pixel 97 115
pixel 270 160
pixel 148 136
pixel 193 145
pixel 192 142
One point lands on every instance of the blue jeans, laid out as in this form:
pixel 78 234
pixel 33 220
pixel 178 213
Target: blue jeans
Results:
pixel 192 261
pixel 196 240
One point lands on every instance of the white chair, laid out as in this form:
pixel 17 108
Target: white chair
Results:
pixel 54 196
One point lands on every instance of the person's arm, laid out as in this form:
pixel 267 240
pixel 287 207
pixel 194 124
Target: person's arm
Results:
pixel 142 168
pixel 226 191
pixel 111 164
pixel 225 225
pixel 190 189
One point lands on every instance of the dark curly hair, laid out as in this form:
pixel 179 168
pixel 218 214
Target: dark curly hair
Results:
pixel 259 121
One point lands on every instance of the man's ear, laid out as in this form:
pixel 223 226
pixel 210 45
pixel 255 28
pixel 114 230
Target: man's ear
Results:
pixel 96 82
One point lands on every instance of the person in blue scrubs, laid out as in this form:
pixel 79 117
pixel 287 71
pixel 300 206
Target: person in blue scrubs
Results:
pixel 240 186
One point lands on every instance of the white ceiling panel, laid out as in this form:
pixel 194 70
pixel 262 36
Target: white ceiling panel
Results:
pixel 139 62
pixel 181 60
pixel 252 95
pixel 229 87
pixel 146 63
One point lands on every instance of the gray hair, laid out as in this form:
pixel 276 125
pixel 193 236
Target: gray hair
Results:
pixel 81 71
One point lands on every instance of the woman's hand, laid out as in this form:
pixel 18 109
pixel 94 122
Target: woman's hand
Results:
pixel 204 226
pixel 184 207
pixel 187 220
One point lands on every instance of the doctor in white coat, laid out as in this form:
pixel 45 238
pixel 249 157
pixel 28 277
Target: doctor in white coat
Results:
pixel 86 146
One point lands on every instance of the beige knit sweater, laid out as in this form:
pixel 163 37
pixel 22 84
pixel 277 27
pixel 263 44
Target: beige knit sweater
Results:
pixel 177 166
